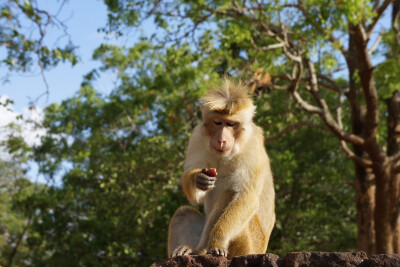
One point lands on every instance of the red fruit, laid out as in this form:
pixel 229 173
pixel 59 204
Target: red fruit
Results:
pixel 212 172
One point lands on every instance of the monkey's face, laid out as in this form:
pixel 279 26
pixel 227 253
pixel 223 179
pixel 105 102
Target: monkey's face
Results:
pixel 223 133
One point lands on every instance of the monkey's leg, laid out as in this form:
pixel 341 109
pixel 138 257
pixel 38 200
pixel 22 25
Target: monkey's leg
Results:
pixel 185 228
pixel 252 240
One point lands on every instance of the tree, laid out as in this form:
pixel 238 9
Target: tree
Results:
pixel 323 55
pixel 117 159
pixel 14 218
pixel 120 189
pixel 120 158
pixel 22 37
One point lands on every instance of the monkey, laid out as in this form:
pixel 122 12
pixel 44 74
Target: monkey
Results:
pixel 261 82
pixel 239 203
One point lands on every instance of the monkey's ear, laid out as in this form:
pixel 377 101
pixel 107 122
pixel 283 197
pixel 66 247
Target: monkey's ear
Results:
pixel 249 113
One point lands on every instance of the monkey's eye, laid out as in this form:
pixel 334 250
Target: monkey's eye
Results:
pixel 231 124
pixel 217 122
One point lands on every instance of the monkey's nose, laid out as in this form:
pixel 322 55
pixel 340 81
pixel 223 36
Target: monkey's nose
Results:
pixel 221 144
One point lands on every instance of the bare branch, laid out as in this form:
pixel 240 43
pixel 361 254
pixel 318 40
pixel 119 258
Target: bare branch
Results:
pixel 379 11
pixel 280 88
pixel 350 155
pixel 268 47
pixel 339 111
pixel 363 33
pixel 327 82
pixel 325 114
pixel 376 5
pixel 295 127
pixel 395 159
pixel 330 84
pixel 373 47
pixel 304 105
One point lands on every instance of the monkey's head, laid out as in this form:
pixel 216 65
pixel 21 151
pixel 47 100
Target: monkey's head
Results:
pixel 227 115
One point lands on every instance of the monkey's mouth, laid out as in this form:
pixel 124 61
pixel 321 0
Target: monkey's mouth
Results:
pixel 222 152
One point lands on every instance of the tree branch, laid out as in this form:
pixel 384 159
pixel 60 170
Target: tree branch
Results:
pixel 331 37
pixel 373 47
pixel 266 48
pixel 379 11
pixel 395 159
pixel 350 155
pixel 366 76
pixel 325 113
pixel 295 127
pixel 20 238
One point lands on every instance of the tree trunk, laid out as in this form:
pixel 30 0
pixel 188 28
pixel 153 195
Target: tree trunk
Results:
pixel 365 201
pixel 393 146
pixel 364 182
pixel 383 220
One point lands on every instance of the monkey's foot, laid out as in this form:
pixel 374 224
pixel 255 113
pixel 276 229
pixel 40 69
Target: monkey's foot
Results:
pixel 218 252
pixel 182 250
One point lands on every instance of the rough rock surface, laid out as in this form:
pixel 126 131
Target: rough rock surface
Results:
pixel 292 259
pixel 383 260
pixel 193 261
pixel 267 260
pixel 317 259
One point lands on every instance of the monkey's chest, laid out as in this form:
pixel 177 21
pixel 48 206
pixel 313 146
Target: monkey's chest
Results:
pixel 215 197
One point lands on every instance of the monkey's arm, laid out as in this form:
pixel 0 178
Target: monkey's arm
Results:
pixel 232 213
pixel 195 160
pixel 232 221
pixel 194 194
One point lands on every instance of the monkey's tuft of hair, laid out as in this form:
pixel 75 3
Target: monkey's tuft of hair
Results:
pixel 228 97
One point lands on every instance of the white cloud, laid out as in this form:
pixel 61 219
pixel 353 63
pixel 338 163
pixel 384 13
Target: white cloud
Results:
pixel 28 127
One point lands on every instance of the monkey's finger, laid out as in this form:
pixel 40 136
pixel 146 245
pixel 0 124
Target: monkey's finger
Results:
pixel 205 186
pixel 205 183
pixel 223 252
pixel 176 251
pixel 218 252
pixel 206 179
pixel 202 176
pixel 186 251
pixel 180 251
pixel 212 251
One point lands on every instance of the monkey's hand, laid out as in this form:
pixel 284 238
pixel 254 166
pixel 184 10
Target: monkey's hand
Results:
pixel 182 250
pixel 218 252
pixel 186 250
pixel 205 182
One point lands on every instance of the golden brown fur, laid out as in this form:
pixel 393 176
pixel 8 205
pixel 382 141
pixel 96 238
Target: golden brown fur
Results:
pixel 239 204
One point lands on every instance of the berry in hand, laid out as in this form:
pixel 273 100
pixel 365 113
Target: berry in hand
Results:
pixel 212 172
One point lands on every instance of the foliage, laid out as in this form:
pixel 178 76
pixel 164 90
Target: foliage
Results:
pixel 313 181
pixel 22 37
pixel 119 157
pixel 122 157
pixel 15 188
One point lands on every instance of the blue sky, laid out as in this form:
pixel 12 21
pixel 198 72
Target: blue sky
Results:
pixel 82 18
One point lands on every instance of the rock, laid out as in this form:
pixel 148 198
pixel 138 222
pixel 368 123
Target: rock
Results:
pixel 193 261
pixel 292 259
pixel 324 259
pixel 383 260
pixel 256 260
